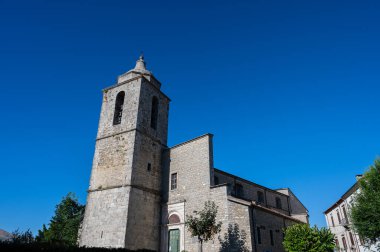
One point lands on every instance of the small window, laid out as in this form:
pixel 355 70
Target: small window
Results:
pixel 149 168
pixel 174 181
pixel 332 220
pixel 118 113
pixel 216 180
pixel 278 203
pixel 154 113
pixel 258 235
pixel 271 237
pixel 239 190
pixel 260 197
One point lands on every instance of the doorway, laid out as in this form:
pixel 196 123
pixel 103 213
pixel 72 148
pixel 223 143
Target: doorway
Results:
pixel 174 237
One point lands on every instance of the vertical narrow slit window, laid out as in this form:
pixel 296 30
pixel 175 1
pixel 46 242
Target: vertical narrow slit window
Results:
pixel 118 108
pixel 258 235
pixel 149 168
pixel 271 237
pixel 173 181
pixel 154 113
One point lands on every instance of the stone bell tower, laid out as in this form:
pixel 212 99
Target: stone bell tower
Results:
pixel 123 202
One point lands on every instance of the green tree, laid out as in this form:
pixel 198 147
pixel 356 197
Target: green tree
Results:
pixel 301 237
pixel 203 225
pixel 64 225
pixel 365 211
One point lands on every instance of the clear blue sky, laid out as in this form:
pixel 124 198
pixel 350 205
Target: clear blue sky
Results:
pixel 290 89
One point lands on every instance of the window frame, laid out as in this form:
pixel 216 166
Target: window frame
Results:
pixel 338 215
pixel 174 178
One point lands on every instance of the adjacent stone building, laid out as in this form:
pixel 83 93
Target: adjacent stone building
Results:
pixel 338 221
pixel 141 189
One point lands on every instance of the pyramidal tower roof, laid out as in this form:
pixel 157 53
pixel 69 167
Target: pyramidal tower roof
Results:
pixel 140 64
pixel 138 70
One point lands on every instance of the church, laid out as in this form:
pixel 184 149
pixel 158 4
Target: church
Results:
pixel 141 190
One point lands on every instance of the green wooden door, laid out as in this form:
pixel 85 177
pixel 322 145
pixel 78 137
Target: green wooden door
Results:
pixel 174 240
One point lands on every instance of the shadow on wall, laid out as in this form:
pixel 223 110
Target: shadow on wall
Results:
pixel 234 240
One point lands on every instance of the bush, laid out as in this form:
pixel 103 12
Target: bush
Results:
pixel 302 238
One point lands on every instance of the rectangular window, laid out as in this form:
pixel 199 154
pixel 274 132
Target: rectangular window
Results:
pixel 174 181
pixel 332 220
pixel 258 235
pixel 271 237
pixel 338 215
pixel 278 203
pixel 344 212
pixel 239 190
pixel 149 168
pixel 260 197
pixel 351 238
pixel 344 243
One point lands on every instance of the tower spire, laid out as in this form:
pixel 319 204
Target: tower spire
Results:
pixel 140 63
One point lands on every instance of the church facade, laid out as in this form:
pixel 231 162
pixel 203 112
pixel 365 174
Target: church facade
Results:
pixel 141 190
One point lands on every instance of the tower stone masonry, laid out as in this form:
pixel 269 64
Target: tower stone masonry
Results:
pixel 141 190
pixel 123 202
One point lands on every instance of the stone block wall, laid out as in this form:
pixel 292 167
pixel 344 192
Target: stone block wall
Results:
pixel 143 222
pixel 250 191
pixel 113 155
pixel 192 161
pixel 240 213
pixel 268 223
pixel 105 220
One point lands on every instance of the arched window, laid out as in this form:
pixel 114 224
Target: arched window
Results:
pixel 118 108
pixel 154 113
pixel 173 219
